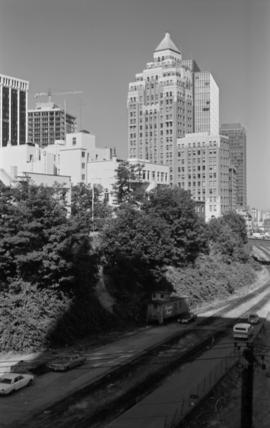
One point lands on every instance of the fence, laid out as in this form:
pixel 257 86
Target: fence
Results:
pixel 204 386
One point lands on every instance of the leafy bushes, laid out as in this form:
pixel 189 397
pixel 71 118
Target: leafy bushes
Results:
pixel 47 266
pixel 227 236
pixel 210 278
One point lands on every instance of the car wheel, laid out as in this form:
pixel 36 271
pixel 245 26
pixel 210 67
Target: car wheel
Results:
pixel 30 382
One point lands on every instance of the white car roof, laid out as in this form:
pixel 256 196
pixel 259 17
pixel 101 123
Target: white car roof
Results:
pixel 9 376
pixel 242 325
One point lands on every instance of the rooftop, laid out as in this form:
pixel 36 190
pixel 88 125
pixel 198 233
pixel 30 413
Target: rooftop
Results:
pixel 167 44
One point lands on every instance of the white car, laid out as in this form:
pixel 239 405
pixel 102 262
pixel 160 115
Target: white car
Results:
pixel 11 382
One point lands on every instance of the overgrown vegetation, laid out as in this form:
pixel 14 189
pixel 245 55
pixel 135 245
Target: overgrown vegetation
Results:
pixel 49 266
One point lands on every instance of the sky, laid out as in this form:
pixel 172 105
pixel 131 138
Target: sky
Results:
pixel 97 46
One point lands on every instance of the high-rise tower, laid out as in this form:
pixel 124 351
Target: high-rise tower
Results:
pixel 13 110
pixel 206 103
pixel 160 107
pixel 237 146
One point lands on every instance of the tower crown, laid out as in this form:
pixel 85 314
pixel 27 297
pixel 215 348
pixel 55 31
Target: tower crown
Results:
pixel 167 44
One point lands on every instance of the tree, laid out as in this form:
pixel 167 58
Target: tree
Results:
pixel 135 247
pixel 228 236
pixel 45 256
pixel 237 224
pixel 84 206
pixel 38 242
pixel 129 186
pixel 187 230
pixel 140 243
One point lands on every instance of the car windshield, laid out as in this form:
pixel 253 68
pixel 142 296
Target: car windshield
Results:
pixel 6 380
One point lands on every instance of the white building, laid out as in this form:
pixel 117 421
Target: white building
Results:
pixel 30 162
pixel 104 173
pixel 64 158
pixel 15 160
pixel 73 156
pixel 203 169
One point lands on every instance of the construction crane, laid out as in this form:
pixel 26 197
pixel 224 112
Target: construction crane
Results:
pixel 49 94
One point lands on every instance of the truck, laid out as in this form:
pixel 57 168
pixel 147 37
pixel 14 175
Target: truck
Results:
pixel 164 306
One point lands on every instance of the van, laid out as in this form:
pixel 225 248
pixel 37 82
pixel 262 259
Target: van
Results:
pixel 242 331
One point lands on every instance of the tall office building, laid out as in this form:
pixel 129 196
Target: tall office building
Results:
pixel 206 103
pixel 13 110
pixel 172 97
pixel 204 170
pixel 160 107
pixel 47 122
pixel 237 145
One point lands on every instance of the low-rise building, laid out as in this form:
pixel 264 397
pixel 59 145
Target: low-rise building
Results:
pixel 104 173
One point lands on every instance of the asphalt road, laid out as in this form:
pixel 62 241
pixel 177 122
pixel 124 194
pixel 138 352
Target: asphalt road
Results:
pixel 176 396
pixel 52 387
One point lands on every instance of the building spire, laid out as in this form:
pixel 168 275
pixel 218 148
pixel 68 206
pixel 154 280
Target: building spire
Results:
pixel 167 44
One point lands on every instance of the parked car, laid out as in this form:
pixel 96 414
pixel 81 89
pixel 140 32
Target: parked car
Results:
pixel 62 364
pixel 187 318
pixel 11 382
pixel 253 319
pixel 37 366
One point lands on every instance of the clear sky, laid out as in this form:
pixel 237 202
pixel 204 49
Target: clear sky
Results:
pixel 97 46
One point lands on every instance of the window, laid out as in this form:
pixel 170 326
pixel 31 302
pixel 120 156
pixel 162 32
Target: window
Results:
pixel 83 154
pixel 83 177
pixel 74 141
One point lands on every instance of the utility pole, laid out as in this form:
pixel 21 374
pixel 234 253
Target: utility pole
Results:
pixel 247 388
pixel 93 205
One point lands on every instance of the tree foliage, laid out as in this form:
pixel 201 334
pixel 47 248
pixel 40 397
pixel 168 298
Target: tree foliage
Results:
pixel 44 248
pixel 129 186
pixel 187 230
pixel 140 243
pixel 228 236
pixel 92 209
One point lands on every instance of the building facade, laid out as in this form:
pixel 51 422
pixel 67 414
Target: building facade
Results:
pixel 13 110
pixel 169 99
pixel 160 108
pixel 206 103
pixel 104 173
pixel 237 144
pixel 47 122
pixel 75 155
pixel 203 170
